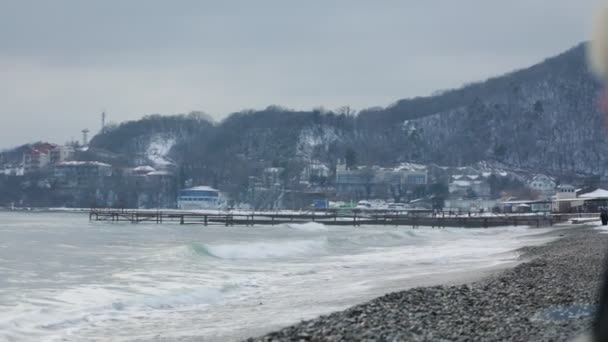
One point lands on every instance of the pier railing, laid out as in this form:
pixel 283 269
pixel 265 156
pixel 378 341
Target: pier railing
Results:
pixel 353 218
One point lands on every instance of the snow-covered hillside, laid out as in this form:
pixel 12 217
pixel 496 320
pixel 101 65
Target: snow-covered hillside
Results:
pixel 158 149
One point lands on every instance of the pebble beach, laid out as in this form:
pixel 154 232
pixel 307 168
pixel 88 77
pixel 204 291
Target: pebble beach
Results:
pixel 549 296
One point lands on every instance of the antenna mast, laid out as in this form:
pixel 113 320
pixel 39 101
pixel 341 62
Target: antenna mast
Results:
pixel 103 122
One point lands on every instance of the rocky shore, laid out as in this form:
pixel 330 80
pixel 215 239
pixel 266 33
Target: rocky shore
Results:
pixel 549 297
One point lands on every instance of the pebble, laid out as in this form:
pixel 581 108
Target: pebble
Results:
pixel 504 307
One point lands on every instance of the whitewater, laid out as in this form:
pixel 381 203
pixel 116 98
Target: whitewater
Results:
pixel 63 278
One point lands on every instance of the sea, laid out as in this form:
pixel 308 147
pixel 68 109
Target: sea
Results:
pixel 63 278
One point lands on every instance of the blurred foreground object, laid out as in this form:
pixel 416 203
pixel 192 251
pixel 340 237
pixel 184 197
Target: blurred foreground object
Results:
pixel 597 53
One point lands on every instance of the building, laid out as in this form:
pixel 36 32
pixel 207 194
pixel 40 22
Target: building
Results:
pixel 34 161
pixel 60 154
pixel 595 200
pixel 80 174
pixel 315 173
pixel 469 186
pixel 472 205
pixel 544 185
pixel 519 206
pixel 152 189
pixel 41 155
pixel 199 197
pixel 375 181
pixel 566 199
pixel 37 157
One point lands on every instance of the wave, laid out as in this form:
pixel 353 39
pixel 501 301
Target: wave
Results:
pixel 75 317
pixel 309 226
pixel 190 297
pixel 266 250
pixel 244 250
pixel 353 241
pixel 379 239
pixel 199 249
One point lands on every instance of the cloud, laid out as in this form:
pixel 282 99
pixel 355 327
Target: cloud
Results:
pixel 64 61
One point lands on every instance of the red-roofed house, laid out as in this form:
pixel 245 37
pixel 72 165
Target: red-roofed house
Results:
pixel 38 156
pixel 42 154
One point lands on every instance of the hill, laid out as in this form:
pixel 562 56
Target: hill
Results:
pixel 542 118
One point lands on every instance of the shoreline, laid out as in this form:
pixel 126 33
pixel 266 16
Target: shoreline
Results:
pixel 514 302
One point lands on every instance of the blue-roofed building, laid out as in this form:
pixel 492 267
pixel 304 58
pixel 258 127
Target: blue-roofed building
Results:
pixel 199 197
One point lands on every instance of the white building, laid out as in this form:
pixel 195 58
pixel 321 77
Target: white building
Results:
pixel 535 206
pixel 60 154
pixel 566 199
pixel 473 205
pixel 200 197
pixel 73 174
pixel 37 157
pixel 464 185
pixel 543 184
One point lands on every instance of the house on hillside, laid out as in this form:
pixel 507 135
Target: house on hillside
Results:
pixel 273 176
pixel 41 155
pixel 543 184
pixel 59 154
pixel 37 157
pixel 315 174
pixel 80 174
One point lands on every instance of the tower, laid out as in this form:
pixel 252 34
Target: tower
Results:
pixel 103 122
pixel 85 137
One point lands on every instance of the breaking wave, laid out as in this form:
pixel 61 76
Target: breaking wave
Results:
pixel 199 249
pixel 245 250
pixel 266 250
pixel 309 226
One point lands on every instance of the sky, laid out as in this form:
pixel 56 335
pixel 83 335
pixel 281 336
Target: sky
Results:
pixel 63 62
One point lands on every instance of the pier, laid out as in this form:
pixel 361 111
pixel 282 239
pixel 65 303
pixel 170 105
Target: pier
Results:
pixel 327 217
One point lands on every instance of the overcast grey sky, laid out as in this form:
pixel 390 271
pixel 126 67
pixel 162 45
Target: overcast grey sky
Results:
pixel 63 61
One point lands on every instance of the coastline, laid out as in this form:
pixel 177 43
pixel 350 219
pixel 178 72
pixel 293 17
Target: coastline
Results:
pixel 514 303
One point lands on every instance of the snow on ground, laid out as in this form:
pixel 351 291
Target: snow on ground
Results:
pixel 158 149
pixel 598 226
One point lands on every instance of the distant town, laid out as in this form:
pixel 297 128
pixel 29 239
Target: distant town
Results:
pixel 57 175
